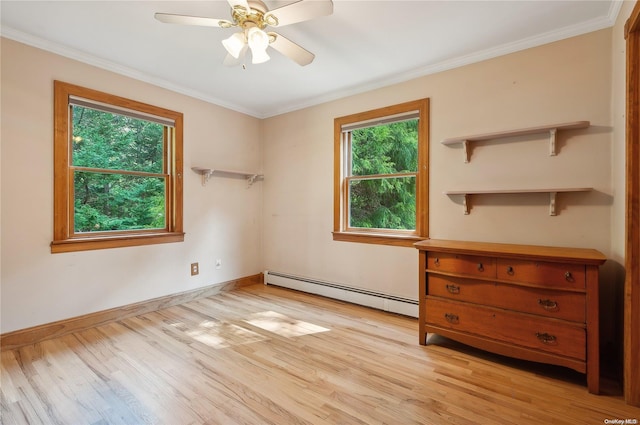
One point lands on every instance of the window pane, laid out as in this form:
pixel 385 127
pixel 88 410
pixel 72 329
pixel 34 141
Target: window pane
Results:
pixel 388 203
pixel 118 202
pixel 385 149
pixel 116 142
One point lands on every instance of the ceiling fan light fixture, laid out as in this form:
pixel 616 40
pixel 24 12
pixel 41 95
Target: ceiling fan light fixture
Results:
pixel 258 41
pixel 234 44
pixel 259 56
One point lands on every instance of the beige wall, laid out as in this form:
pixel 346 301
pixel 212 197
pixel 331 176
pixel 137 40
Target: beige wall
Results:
pixel 222 220
pixel 560 82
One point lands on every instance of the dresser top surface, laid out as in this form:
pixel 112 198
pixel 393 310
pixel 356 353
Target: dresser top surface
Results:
pixel 543 253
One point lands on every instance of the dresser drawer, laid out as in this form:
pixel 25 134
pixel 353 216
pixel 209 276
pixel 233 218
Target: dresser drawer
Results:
pixel 544 302
pixel 472 265
pixel 556 275
pixel 525 330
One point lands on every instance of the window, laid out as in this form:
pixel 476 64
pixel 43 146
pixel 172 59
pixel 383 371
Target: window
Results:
pixel 381 175
pixel 117 171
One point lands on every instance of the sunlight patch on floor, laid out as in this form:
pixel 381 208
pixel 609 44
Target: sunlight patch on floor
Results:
pixel 283 325
pixel 223 334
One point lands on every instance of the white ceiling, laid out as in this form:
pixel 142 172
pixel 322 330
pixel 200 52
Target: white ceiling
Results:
pixel 365 44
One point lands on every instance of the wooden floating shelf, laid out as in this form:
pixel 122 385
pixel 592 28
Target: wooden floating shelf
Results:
pixel 206 174
pixel 552 194
pixel 551 129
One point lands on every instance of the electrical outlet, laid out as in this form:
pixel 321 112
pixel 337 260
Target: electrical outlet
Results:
pixel 194 269
pixel 218 263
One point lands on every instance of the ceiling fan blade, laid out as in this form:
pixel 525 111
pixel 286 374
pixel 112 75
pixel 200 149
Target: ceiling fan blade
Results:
pixel 300 11
pixel 243 3
pixel 229 60
pixel 169 18
pixel 291 50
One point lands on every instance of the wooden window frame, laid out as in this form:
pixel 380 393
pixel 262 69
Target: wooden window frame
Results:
pixel 64 238
pixel 341 231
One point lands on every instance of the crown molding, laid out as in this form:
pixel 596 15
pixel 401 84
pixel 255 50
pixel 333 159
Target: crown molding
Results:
pixel 89 59
pixel 457 62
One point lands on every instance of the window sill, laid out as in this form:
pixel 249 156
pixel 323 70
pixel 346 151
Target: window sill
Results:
pixel 378 238
pixel 91 243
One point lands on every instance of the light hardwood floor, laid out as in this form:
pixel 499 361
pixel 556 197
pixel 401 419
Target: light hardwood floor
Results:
pixel 265 355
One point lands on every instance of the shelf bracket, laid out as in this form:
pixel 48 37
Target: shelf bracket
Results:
pixel 465 150
pixel 552 142
pixel 465 203
pixel 552 203
pixel 251 179
pixel 206 175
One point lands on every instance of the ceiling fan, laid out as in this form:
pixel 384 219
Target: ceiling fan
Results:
pixel 252 17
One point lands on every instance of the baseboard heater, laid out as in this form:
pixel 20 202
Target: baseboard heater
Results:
pixel 336 291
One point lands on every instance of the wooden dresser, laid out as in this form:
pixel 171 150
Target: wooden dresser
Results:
pixel 530 302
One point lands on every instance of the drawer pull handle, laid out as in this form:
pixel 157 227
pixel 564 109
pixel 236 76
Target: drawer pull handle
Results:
pixel 568 276
pixel 451 318
pixel 480 267
pixel 548 304
pixel 510 270
pixel 436 261
pixel 546 338
pixel 453 289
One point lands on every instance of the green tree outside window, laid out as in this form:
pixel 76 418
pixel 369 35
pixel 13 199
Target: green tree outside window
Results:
pixel 119 178
pixel 382 186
